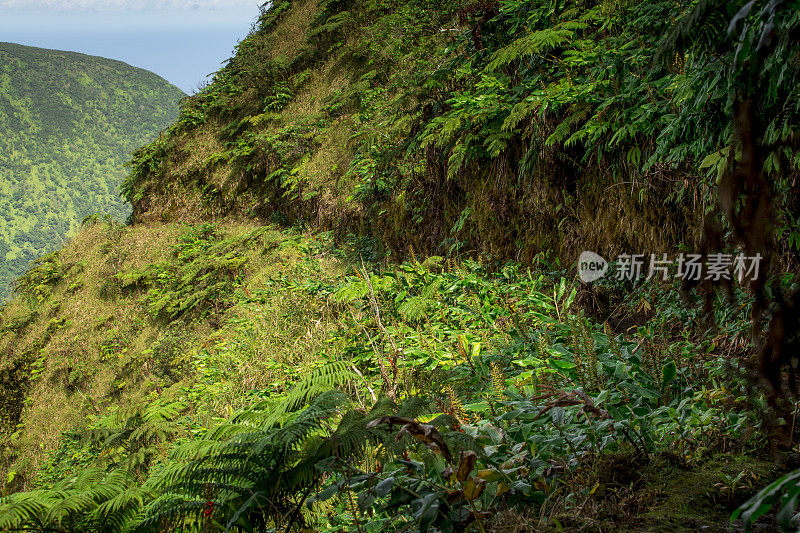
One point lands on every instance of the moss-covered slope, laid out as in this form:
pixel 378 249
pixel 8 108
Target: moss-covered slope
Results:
pixel 503 128
pixel 120 314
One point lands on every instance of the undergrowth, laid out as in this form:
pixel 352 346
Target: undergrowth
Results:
pixel 244 377
pixel 321 392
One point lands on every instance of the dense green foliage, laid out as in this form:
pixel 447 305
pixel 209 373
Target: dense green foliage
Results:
pixel 509 128
pixel 275 398
pixel 232 375
pixel 68 123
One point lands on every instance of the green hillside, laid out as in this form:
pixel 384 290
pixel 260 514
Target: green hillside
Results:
pixel 68 123
pixel 347 299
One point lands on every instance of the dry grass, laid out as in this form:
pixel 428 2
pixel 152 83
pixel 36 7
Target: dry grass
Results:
pixel 77 380
pixel 267 343
pixel 199 146
pixel 290 35
pixel 323 83
pixel 103 356
pixel 326 166
pixel 174 196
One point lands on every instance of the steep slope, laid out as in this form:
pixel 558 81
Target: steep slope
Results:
pixel 118 315
pixel 135 350
pixel 68 123
pixel 503 128
pixel 247 355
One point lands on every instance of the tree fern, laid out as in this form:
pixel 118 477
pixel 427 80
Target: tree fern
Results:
pixel 135 436
pixel 93 501
pixel 321 379
pixel 253 477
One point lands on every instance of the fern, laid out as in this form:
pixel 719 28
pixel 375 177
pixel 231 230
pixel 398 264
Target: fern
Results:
pixel 255 470
pixel 352 292
pixel 522 111
pixel 413 308
pixel 269 413
pixel 252 477
pixel 703 25
pixel 93 501
pixel 140 435
pixel 537 42
pixel 458 157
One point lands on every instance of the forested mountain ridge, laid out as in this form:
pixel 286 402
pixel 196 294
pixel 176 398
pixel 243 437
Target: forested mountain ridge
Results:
pixel 68 123
pixel 348 301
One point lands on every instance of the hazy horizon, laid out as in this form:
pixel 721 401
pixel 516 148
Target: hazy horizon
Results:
pixel 181 41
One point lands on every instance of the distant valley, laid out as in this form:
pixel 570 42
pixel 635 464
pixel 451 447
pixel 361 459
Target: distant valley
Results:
pixel 68 124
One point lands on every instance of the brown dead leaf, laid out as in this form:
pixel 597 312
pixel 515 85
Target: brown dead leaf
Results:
pixel 577 397
pixel 466 464
pixel 473 488
pixel 425 433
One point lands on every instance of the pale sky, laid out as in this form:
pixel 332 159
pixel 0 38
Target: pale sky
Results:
pixel 125 5
pixel 180 40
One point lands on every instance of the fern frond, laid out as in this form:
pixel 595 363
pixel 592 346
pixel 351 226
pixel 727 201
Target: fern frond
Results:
pixel 413 308
pixel 535 43
pixel 705 23
pixel 77 504
pixel 458 157
pixel 256 471
pixel 521 111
